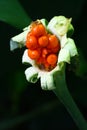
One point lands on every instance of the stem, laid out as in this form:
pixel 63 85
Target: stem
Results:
pixel 64 96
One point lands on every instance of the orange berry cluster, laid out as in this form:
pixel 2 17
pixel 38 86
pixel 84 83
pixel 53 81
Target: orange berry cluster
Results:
pixel 43 47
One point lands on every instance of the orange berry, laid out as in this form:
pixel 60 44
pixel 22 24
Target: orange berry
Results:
pixel 31 42
pixel 53 41
pixel 33 54
pixel 43 41
pixel 44 52
pixel 38 30
pixel 56 49
pixel 52 59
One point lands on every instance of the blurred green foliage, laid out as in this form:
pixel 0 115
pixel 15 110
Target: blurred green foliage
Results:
pixel 24 105
pixel 13 13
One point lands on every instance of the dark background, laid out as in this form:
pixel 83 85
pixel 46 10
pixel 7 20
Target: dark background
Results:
pixel 24 105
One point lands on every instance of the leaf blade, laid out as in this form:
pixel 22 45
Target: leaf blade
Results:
pixel 13 13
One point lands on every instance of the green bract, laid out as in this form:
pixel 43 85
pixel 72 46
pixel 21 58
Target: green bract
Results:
pixel 60 26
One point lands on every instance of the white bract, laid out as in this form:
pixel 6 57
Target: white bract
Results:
pixel 60 26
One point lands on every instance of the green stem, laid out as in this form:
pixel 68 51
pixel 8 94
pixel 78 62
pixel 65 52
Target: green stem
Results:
pixel 64 96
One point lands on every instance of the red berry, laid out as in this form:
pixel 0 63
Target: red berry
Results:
pixel 33 54
pixel 43 41
pixel 31 42
pixel 38 30
pixel 52 59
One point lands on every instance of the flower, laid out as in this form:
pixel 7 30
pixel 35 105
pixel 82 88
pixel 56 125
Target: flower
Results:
pixel 41 65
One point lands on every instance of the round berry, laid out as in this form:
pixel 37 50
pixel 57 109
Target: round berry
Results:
pixel 53 41
pixel 43 41
pixel 52 59
pixel 33 54
pixel 38 30
pixel 31 42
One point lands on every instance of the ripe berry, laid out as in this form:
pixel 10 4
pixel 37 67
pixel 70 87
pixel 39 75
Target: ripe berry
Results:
pixel 52 59
pixel 44 52
pixel 38 30
pixel 53 41
pixel 43 41
pixel 31 42
pixel 33 54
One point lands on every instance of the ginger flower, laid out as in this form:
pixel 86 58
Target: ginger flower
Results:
pixel 48 48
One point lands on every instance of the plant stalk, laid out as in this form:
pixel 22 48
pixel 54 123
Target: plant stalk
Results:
pixel 65 97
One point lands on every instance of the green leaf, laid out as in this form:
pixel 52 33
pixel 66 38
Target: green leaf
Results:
pixel 13 13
